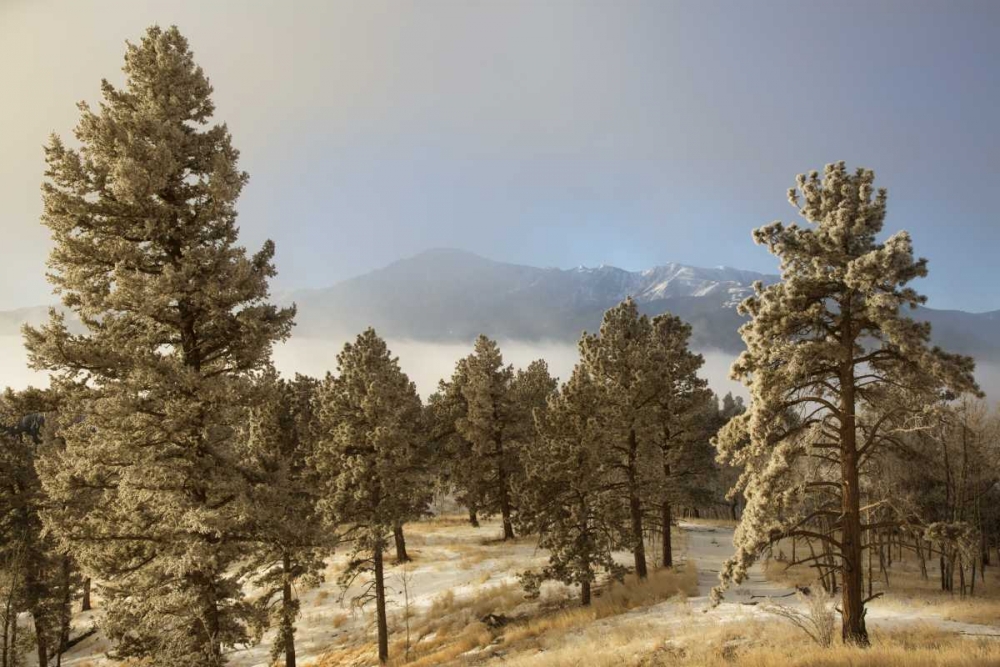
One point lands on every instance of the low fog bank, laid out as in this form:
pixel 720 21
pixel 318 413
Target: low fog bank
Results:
pixel 14 371
pixel 426 363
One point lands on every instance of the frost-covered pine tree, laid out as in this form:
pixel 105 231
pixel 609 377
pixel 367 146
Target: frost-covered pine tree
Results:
pixel 566 493
pixel 626 362
pixel 175 318
pixel 680 429
pixel 369 440
pixel 288 541
pixel 485 426
pixel 480 421
pixel 37 576
pixel 451 451
pixel 825 346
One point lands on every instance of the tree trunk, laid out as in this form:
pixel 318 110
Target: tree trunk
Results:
pixel 397 534
pixel 65 609
pixel 635 507
pixel 383 627
pixel 41 630
pixel 505 513
pixel 473 519
pixel 13 642
pixel 208 632
pixel 585 594
pixel 870 581
pixel 668 552
pixel 85 602
pixel 287 613
pixel 508 527
pixel 852 575
pixel 920 555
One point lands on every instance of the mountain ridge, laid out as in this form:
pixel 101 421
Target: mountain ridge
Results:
pixel 452 295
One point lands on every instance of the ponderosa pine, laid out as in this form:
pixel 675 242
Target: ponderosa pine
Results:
pixel 369 441
pixel 566 493
pixel 826 346
pixel 451 452
pixel 288 541
pixel 681 424
pixel 489 412
pixel 175 318
pixel 37 575
pixel 623 360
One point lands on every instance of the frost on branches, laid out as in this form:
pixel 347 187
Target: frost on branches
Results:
pixel 149 495
pixel 836 372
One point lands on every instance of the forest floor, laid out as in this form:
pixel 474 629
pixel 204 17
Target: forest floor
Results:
pixel 461 575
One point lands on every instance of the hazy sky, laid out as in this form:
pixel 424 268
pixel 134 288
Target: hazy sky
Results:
pixel 553 133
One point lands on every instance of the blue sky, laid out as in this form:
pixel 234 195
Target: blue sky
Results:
pixel 551 133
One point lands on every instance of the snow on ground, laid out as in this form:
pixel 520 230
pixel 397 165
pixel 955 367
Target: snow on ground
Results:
pixel 450 555
pixel 709 547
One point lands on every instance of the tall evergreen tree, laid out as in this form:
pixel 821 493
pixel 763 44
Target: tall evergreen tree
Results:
pixel 452 452
pixel 175 315
pixel 681 425
pixel 565 492
pixel 288 539
pixel 627 364
pixel 485 426
pixel 369 440
pixel 493 407
pixel 725 487
pixel 45 578
pixel 825 347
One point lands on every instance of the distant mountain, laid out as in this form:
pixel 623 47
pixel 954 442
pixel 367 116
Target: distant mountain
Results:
pixel 451 295
pixel 447 295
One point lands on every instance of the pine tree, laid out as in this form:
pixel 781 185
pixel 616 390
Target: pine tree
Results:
pixel 493 407
pixel 565 494
pixel 825 348
pixel 369 441
pixel 530 391
pixel 175 315
pixel 41 577
pixel 484 426
pixel 727 476
pixel 452 452
pixel 625 361
pixel 680 424
pixel 289 540
pixel 418 476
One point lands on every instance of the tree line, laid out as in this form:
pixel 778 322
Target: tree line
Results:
pixel 171 468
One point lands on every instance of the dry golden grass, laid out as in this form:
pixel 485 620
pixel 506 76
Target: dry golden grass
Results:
pixel 971 610
pixel 617 598
pixel 450 630
pixel 437 522
pixel 447 629
pixel 907 589
pixel 755 644
pixel 444 650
